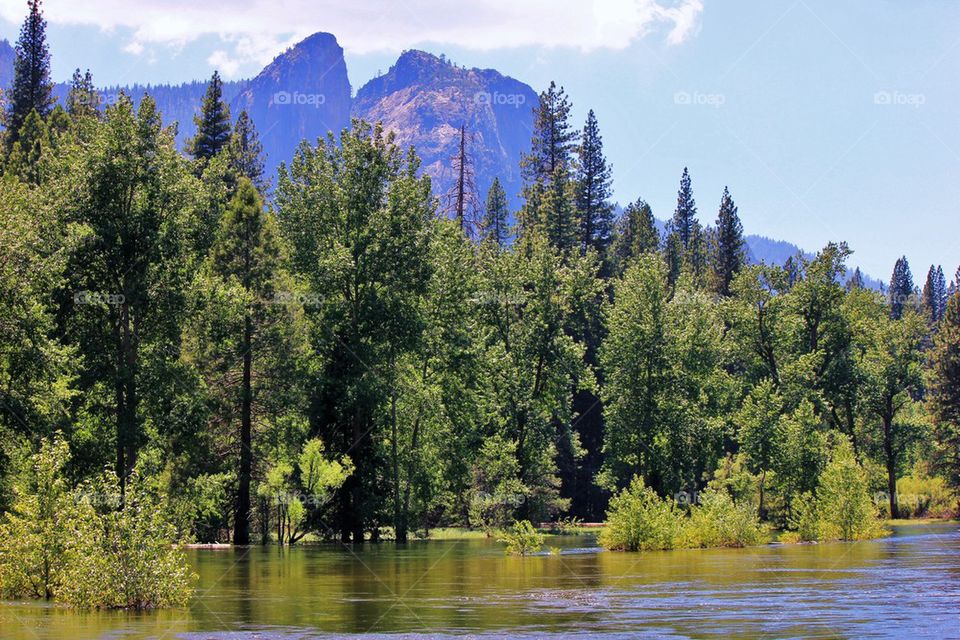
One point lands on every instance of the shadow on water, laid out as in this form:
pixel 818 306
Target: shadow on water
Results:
pixel 906 584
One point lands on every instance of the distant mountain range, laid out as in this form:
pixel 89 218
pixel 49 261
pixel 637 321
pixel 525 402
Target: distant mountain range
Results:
pixel 424 99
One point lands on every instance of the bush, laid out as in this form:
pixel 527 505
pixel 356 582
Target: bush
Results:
pixel 89 547
pixel 639 520
pixel 719 521
pixel 32 537
pixel 522 539
pixel 119 554
pixel 921 496
pixel 842 508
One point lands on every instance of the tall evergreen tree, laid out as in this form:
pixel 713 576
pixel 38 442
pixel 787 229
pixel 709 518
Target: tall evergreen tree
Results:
pixel 685 216
pixel 246 152
pixel 593 190
pixel 32 89
pixel 636 234
pixel 557 214
pixel 901 288
pixel 247 252
pixel 856 280
pixel 554 140
pixel 729 255
pixel 82 100
pixel 495 216
pixel 933 296
pixel 213 123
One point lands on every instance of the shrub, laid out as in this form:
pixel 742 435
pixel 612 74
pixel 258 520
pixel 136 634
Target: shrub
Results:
pixel 844 506
pixel 639 520
pixel 522 539
pixel 920 495
pixel 719 521
pixel 120 553
pixel 841 509
pixel 32 537
pixel 89 547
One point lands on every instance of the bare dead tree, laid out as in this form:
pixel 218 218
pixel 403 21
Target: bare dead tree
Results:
pixel 461 201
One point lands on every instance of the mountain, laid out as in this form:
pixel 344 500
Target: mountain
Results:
pixel 301 95
pixel 425 100
pixel 7 55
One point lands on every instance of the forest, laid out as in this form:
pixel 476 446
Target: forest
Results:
pixel 337 353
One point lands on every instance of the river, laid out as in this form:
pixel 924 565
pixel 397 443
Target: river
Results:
pixel 907 585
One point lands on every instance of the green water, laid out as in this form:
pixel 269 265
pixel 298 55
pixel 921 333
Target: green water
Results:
pixel 904 586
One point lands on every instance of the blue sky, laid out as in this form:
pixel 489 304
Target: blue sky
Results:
pixel 828 120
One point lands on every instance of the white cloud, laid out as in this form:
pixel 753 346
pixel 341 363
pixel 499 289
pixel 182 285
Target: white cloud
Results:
pixel 224 62
pixel 134 47
pixel 260 29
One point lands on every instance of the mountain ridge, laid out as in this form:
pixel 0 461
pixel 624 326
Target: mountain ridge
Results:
pixel 423 98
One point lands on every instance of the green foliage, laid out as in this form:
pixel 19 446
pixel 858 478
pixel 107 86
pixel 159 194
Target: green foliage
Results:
pixel 496 214
pixel 92 546
pixel 842 507
pixel 35 532
pixel 718 521
pixel 944 399
pixel 496 490
pixel 640 520
pixel 522 539
pixel 119 551
pixel 920 495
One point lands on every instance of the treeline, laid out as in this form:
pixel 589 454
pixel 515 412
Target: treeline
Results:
pixel 344 361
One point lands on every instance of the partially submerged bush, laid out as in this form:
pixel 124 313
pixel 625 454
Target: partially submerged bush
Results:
pixel 719 521
pixel 841 509
pixel 640 520
pixel 522 539
pixel 32 536
pixel 119 554
pixel 89 547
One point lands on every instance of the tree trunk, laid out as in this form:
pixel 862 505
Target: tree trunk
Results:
pixel 241 526
pixel 399 518
pixel 891 463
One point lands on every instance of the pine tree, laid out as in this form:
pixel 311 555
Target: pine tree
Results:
pixel 495 218
pixel 856 280
pixel 247 252
pixel 82 100
pixel 685 217
pixel 554 141
pixel 940 293
pixel 32 89
pixel 932 299
pixel 25 156
pixel 246 152
pixel 636 235
pixel 593 190
pixel 729 255
pixel 557 215
pixel 944 392
pixel 213 123
pixel 901 289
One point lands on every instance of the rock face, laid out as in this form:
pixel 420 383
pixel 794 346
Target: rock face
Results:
pixel 302 94
pixel 425 100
